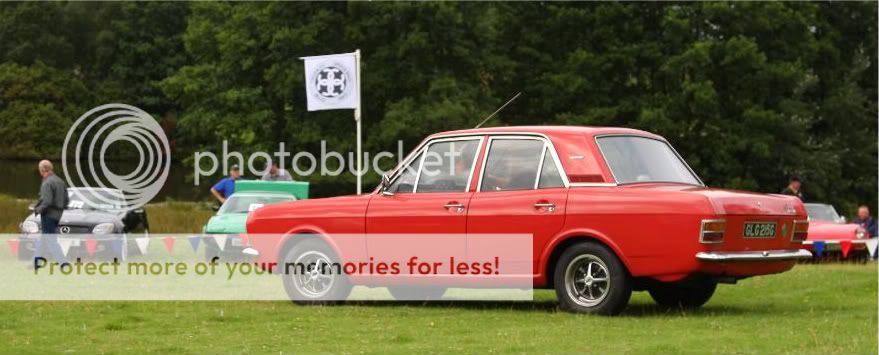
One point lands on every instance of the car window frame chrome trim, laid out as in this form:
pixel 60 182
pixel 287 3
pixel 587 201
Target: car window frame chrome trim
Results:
pixel 423 147
pixel 659 139
pixel 547 144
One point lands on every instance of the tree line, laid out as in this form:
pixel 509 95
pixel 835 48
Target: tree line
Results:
pixel 749 93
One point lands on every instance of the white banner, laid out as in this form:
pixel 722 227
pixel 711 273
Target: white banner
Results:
pixel 331 82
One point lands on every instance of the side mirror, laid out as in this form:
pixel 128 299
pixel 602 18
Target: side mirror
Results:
pixel 843 220
pixel 138 211
pixel 215 208
pixel 31 207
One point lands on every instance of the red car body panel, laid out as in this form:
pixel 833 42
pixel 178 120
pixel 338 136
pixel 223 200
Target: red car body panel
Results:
pixel 653 228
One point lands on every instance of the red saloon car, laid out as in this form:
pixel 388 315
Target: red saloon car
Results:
pixel 610 210
pixel 834 235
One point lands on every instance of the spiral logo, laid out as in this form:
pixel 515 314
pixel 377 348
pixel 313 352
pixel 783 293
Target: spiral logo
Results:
pixel 105 128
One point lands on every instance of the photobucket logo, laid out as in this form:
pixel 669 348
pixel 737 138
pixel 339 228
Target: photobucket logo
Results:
pixel 325 163
pixel 95 132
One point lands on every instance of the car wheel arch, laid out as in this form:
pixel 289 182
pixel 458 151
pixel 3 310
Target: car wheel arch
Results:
pixel 302 234
pixel 561 243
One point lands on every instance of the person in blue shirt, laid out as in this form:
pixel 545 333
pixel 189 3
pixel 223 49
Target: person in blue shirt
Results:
pixel 225 187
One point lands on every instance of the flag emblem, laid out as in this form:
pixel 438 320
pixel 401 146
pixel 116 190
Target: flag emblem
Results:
pixel 330 82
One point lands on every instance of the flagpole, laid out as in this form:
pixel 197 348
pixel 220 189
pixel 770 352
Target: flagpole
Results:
pixel 357 120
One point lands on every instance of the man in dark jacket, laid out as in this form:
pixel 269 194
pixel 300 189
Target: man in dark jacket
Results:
pixel 50 206
pixel 865 221
pixel 794 188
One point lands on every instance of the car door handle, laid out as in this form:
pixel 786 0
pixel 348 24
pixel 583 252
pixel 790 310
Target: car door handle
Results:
pixel 459 207
pixel 549 206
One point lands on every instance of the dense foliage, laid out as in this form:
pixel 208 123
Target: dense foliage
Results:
pixel 749 93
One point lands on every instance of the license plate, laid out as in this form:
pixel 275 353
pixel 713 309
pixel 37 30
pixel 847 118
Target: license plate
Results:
pixel 759 229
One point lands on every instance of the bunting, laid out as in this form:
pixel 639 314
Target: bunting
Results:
pixel 872 243
pixel 845 246
pixel 143 244
pixel 118 246
pixel 818 248
pixel 221 241
pixel 90 245
pixel 193 241
pixel 13 245
pixel 65 244
pixel 169 244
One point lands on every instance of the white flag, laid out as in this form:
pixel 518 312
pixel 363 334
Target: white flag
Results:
pixel 221 241
pixel 331 82
pixel 143 244
pixel 872 243
pixel 65 245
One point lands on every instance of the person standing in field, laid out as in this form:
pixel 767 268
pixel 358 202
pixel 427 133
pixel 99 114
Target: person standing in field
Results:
pixel 275 173
pixel 866 221
pixel 794 188
pixel 225 187
pixel 52 201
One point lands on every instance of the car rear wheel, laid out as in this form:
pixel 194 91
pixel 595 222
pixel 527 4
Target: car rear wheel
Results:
pixel 311 275
pixel 589 278
pixel 417 293
pixel 683 294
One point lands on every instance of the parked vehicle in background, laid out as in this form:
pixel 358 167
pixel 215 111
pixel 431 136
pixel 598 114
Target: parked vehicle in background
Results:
pixel 227 225
pixel 611 211
pixel 833 235
pixel 93 215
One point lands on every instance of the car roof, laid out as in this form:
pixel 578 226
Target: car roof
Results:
pixel 550 130
pixel 263 193
pixel 818 204
pixel 94 188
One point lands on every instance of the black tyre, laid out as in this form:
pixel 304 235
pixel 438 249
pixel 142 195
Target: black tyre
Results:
pixel 417 293
pixel 683 294
pixel 589 278
pixel 311 274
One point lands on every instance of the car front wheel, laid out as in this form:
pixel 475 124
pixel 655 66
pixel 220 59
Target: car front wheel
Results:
pixel 589 278
pixel 312 276
pixel 683 295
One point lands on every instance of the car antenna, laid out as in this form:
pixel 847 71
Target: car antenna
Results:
pixel 498 110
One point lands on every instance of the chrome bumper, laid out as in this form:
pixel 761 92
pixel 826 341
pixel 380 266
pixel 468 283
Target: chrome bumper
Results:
pixel 765 255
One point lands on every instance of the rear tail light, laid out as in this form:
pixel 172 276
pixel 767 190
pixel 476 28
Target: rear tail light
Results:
pixel 712 231
pixel 801 230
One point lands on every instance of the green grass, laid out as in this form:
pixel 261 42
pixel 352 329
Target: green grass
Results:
pixel 813 309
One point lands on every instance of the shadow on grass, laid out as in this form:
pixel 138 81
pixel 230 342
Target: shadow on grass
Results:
pixel 633 310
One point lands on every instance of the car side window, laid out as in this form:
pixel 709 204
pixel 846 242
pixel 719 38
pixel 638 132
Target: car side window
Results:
pixel 446 166
pixel 550 177
pixel 405 182
pixel 512 164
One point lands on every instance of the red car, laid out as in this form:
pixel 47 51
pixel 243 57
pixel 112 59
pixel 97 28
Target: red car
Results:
pixel 834 235
pixel 611 211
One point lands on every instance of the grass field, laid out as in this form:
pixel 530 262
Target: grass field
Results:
pixel 813 309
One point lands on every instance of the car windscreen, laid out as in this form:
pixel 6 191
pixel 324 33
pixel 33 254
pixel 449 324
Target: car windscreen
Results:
pixel 247 203
pixel 95 199
pixel 822 213
pixel 634 159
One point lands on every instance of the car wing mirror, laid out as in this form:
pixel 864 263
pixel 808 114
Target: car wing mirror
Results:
pixel 215 208
pixel 31 207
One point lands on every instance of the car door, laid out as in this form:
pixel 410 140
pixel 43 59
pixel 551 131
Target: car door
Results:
pixel 430 194
pixel 521 190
